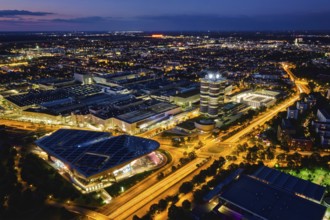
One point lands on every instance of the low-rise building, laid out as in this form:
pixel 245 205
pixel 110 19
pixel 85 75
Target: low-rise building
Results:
pixel 302 106
pixel 302 143
pixel 256 99
pixel 285 129
pixel 270 194
pixel 186 98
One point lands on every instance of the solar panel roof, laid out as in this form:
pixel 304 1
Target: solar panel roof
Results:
pixel 290 183
pixel 91 152
pixel 267 202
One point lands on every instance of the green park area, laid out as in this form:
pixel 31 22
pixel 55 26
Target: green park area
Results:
pixel 319 176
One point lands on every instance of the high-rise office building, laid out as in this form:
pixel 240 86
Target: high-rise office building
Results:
pixel 292 113
pixel 213 88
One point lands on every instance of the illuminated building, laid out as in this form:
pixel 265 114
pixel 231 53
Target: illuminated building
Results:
pixel 213 89
pixel 94 160
pixel 157 36
pixel 256 99
pixel 292 113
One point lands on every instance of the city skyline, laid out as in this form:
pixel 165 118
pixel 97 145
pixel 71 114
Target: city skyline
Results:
pixel 154 110
pixel 146 15
pixel 142 126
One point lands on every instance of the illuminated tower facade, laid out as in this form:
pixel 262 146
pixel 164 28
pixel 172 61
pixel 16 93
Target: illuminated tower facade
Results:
pixel 212 95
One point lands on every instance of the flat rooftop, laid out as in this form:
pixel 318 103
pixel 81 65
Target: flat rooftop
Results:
pixel 268 92
pixel 141 114
pixel 188 93
pixel 90 152
pixel 257 98
pixel 37 97
pixel 290 183
pixel 267 202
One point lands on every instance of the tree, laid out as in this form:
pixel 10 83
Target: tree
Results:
pixel 175 213
pixel 186 187
pixel 296 157
pixel 160 176
pixel 162 204
pixel 147 217
pixel 183 160
pixel 173 168
pixel 192 155
pixel 270 155
pixel 175 142
pixel 154 209
pixel 311 85
pixel 135 217
pixel 186 204
pixel 200 178
pixel 281 157
pixel 291 164
pixel 302 96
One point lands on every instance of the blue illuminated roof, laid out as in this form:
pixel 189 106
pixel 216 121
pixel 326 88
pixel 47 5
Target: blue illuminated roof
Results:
pixel 268 202
pixel 290 183
pixel 91 152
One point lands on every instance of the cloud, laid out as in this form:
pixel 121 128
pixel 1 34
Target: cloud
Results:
pixel 16 13
pixel 83 20
pixel 192 22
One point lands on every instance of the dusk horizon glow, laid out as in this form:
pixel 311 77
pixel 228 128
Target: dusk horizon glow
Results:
pixel 171 15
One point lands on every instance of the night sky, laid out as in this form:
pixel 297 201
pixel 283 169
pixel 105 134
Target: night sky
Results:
pixel 165 15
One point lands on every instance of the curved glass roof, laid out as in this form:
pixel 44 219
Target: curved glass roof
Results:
pixel 90 152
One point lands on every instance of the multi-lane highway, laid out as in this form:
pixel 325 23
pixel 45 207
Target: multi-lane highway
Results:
pixel 262 119
pixel 301 85
pixel 272 112
pixel 131 206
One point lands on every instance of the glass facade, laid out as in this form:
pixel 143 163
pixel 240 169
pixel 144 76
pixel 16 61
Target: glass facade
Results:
pixel 212 94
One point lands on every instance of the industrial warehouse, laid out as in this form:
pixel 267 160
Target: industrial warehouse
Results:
pixel 94 160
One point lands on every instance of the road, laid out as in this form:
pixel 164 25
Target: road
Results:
pixel 131 206
pixel 303 88
pixel 169 192
pixel 81 211
pixel 28 126
pixel 263 118
pixel 133 191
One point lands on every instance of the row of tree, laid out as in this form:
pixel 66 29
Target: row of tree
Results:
pixel 183 212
